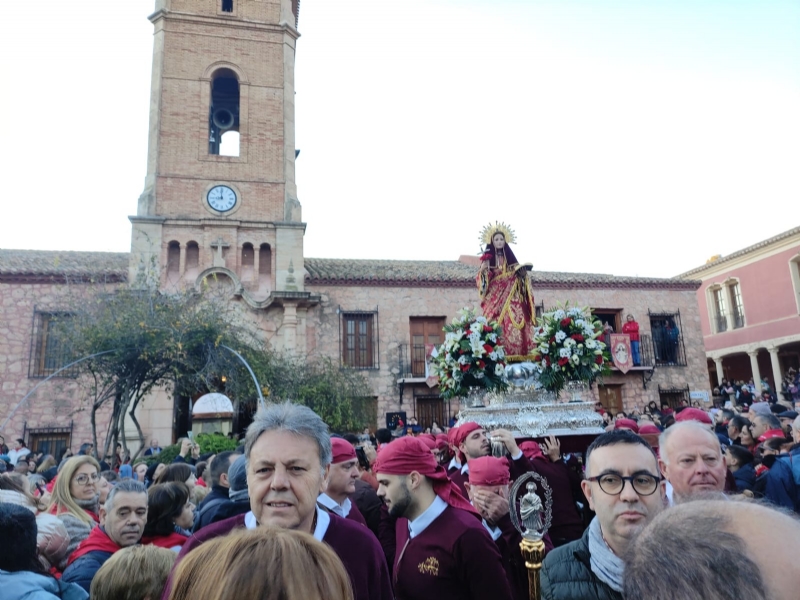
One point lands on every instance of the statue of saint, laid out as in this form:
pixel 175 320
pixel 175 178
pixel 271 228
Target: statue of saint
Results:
pixel 505 292
pixel 530 510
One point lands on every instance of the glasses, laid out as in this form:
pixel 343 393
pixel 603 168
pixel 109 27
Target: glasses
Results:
pixel 612 484
pixel 84 479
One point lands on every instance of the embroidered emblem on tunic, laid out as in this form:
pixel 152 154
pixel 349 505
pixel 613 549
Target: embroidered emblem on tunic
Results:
pixel 429 566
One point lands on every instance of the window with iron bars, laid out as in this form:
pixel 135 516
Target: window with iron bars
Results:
pixel 49 351
pixel 667 332
pixel 358 332
pixel 673 397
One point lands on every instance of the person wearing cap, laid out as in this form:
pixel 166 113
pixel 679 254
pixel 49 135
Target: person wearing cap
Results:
pixel 288 453
pixel 342 482
pixel 488 487
pixel 787 418
pixel 472 442
pixel 443 552
pixel 455 462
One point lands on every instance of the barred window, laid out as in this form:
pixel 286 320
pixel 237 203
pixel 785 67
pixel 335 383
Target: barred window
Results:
pixel 358 331
pixel 667 331
pixel 49 351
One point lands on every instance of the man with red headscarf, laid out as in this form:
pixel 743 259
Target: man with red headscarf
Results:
pixel 455 463
pixel 443 551
pixel 488 488
pixel 472 442
pixel 342 482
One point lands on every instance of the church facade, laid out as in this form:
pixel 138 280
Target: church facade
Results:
pixel 220 204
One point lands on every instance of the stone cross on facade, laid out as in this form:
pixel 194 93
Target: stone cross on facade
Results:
pixel 219 244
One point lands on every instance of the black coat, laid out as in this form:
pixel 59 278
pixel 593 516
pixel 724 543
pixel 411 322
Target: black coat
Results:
pixel 208 508
pixel 567 574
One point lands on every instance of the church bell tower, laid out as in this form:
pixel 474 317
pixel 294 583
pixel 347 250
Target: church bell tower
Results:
pixel 220 195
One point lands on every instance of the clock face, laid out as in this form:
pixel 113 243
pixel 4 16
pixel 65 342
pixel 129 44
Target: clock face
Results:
pixel 221 198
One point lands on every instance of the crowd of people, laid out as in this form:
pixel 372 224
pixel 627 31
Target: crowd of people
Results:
pixel 678 504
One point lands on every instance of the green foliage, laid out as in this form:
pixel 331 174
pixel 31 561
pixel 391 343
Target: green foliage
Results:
pixel 167 455
pixel 210 442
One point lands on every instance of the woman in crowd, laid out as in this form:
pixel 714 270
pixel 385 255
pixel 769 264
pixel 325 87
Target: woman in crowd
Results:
pixel 152 473
pixel 47 467
pixel 133 573
pixel 265 563
pixel 740 463
pixel 76 500
pixel 746 438
pixel 178 472
pixel 170 516
pixel 21 573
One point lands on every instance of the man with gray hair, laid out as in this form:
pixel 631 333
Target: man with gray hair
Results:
pixel 691 461
pixel 288 456
pixel 122 521
pixel 726 550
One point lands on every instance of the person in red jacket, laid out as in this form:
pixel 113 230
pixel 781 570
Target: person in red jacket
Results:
pixel 631 327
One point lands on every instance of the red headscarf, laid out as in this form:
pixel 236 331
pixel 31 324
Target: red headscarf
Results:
pixel 693 414
pixel 531 450
pixel 342 451
pixel 408 454
pixel 489 471
pixel 441 442
pixel 626 424
pixel 451 435
pixel 462 434
pixel 428 439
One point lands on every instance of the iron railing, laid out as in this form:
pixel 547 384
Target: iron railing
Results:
pixel 49 350
pixel 48 440
pixel 411 360
pixel 673 397
pixel 668 346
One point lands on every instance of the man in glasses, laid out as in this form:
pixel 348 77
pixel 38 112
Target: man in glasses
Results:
pixel 624 489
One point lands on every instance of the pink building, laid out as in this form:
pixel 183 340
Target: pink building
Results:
pixel 750 310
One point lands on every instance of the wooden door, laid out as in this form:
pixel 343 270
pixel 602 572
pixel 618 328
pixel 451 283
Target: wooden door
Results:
pixel 425 331
pixel 430 409
pixel 611 398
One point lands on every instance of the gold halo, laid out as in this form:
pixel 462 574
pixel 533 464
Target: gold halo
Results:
pixel 487 233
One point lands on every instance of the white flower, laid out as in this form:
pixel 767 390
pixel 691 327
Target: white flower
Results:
pixel 499 370
pixel 559 314
pixel 560 335
pixel 544 349
pixel 569 342
pixel 575 358
pixel 481 320
pixel 564 353
pixel 462 360
pixel 492 337
pixel 591 344
pixel 501 353
pixel 475 327
pixel 493 355
pixel 479 375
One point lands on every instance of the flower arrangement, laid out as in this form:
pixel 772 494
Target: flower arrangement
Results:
pixel 471 356
pixel 568 348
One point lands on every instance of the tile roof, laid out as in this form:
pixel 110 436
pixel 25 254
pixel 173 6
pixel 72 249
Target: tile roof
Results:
pixel 742 252
pixel 451 273
pixel 47 264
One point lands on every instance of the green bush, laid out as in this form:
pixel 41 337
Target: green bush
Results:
pixel 208 442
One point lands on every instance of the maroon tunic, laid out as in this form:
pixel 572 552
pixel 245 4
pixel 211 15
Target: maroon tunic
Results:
pixel 454 558
pixel 356 516
pixel 567 524
pixel 355 545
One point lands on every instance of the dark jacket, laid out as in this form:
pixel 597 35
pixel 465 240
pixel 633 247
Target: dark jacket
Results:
pixel 745 477
pixel 567 574
pixel 217 497
pixel 83 570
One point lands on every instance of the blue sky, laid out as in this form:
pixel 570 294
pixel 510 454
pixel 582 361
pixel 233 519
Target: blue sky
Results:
pixel 626 137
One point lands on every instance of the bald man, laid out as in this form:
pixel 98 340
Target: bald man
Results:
pixel 691 461
pixel 726 549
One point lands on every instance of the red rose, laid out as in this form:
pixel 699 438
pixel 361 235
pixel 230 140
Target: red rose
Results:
pixel 487 348
pixel 577 337
pixel 546 361
pixel 538 358
pixel 566 322
pixel 487 329
pixel 599 359
pixel 562 361
pixel 552 340
pixel 481 364
pixel 465 368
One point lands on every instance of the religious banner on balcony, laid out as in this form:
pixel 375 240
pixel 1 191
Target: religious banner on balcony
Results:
pixel 431 379
pixel 621 351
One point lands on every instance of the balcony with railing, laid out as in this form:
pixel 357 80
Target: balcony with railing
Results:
pixel 412 363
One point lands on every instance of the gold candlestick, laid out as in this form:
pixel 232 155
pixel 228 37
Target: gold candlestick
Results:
pixel 533 554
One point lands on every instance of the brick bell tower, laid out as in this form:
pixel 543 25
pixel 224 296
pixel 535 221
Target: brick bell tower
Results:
pixel 220 200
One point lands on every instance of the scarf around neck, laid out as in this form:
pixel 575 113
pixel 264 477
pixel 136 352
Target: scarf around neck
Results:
pixel 604 563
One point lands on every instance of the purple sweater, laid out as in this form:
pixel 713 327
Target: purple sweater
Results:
pixel 355 545
pixel 454 558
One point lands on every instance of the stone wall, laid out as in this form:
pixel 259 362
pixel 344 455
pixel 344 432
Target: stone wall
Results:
pixel 396 305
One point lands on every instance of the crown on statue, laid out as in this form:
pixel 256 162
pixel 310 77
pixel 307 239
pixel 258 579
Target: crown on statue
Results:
pixel 487 233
